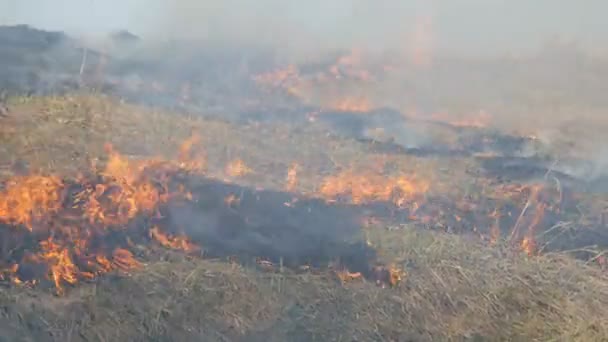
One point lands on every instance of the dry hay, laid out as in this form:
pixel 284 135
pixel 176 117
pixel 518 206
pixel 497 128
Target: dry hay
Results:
pixel 455 288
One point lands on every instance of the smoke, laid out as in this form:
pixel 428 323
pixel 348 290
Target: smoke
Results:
pixel 417 33
pixel 472 26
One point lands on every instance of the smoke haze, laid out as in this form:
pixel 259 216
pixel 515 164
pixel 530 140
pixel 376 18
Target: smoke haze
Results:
pixel 472 26
pixel 419 30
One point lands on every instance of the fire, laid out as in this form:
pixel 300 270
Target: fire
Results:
pixel 187 158
pixel 360 104
pixel 346 276
pixel 61 231
pixel 178 242
pixel 495 228
pixel 124 260
pixel 278 78
pixel 232 200
pixel 388 275
pixel 63 226
pixel 535 202
pixel 123 196
pixel 292 177
pixel 27 200
pixel 370 186
pixel 61 266
pixel 528 245
pixel 305 87
pixel 285 79
pixel 237 168
pixel 349 66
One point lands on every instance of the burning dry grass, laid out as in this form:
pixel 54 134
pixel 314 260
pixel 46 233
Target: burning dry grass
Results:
pixel 366 187
pixel 69 220
pixel 452 287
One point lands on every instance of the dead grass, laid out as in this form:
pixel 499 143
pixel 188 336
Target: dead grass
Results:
pixel 455 289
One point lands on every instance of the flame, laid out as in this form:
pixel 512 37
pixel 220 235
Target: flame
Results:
pixel 292 177
pixel 60 264
pixel 388 275
pixel 187 158
pixel 287 79
pixel 27 200
pixel 237 168
pixel 279 77
pixel 123 196
pixel 495 228
pixel 80 228
pixel 306 87
pixel 124 260
pixel 70 220
pixel 356 104
pixel 179 242
pixel 349 66
pixel 232 200
pixel 346 276
pixel 365 187
pixel 528 243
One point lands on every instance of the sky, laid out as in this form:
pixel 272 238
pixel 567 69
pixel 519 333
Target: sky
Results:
pixel 467 25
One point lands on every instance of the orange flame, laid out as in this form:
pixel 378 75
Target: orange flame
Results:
pixel 346 276
pixel 187 158
pixel 360 104
pixel 61 266
pixel 179 242
pixel 370 186
pixel 30 199
pixel 388 275
pixel 528 243
pixel 65 217
pixel 237 168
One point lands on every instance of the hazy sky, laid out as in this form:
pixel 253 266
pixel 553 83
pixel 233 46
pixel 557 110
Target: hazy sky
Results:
pixel 475 25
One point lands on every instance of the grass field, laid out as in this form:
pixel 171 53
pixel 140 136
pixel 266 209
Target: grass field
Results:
pixel 455 287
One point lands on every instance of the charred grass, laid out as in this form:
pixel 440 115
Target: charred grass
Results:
pixel 455 287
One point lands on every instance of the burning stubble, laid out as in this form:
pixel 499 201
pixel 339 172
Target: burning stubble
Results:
pixel 64 230
pixel 317 143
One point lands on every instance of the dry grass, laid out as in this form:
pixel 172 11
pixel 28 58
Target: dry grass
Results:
pixel 455 289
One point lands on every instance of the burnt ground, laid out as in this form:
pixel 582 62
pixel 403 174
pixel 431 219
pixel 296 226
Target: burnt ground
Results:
pixel 458 284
